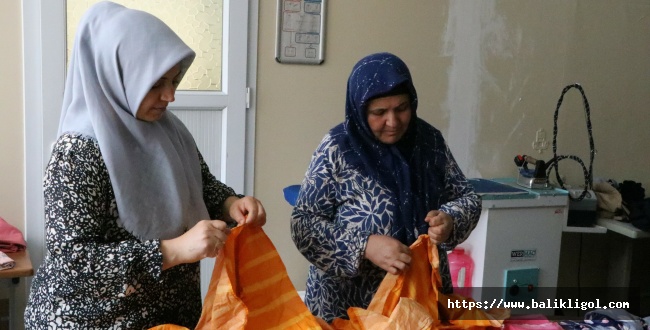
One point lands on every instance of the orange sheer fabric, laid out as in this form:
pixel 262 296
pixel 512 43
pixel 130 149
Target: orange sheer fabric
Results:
pixel 412 301
pixel 250 289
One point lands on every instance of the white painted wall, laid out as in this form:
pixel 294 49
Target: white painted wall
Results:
pixel 488 73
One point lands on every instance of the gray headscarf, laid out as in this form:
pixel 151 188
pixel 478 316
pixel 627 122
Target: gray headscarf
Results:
pixel 118 55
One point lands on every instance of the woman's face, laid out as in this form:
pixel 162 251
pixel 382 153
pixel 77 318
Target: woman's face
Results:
pixel 389 117
pixel 161 94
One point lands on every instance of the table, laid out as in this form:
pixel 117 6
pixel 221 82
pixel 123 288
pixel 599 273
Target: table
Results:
pixel 23 268
pixel 629 262
pixel 614 266
pixel 623 228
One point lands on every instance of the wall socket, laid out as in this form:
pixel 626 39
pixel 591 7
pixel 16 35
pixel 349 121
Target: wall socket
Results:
pixel 540 143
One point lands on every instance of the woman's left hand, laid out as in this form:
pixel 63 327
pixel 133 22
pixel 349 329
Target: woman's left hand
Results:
pixel 440 226
pixel 246 210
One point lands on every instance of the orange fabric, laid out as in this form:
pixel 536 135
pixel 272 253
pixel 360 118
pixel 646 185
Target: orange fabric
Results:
pixel 250 289
pixel 412 301
pixel 168 327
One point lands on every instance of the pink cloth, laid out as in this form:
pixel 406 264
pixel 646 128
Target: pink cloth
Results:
pixel 11 239
pixel 530 322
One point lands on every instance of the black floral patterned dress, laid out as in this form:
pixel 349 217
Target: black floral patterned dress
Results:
pixel 96 275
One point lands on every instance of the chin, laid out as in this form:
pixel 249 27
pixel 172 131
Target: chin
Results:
pixel 389 141
pixel 155 116
pixel 392 139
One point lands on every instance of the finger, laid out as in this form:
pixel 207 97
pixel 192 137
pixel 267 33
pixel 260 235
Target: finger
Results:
pixel 261 214
pixel 222 229
pixel 434 235
pixel 434 230
pixel 436 239
pixel 218 224
pixel 250 212
pixel 255 213
pixel 217 247
pixel 261 219
pixel 400 266
pixel 439 239
pixel 222 235
pixel 405 258
pixel 393 270
pixel 239 215
pixel 436 221
pixel 428 220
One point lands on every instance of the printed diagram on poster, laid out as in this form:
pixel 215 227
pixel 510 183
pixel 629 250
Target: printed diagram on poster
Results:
pixel 300 31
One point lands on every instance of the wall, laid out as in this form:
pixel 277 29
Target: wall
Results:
pixel 489 75
pixel 12 193
pixel 11 125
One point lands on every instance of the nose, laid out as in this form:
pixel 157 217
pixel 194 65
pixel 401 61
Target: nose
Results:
pixel 168 94
pixel 391 119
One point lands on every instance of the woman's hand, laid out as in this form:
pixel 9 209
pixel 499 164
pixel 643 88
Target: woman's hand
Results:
pixel 440 226
pixel 203 240
pixel 245 210
pixel 388 253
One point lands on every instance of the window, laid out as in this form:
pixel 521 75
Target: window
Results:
pixel 199 23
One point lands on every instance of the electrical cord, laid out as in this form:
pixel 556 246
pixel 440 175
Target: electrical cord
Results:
pixel 553 163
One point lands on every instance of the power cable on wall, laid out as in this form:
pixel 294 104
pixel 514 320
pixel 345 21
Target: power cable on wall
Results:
pixel 554 162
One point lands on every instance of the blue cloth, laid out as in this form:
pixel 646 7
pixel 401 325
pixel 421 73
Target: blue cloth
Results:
pixel 291 193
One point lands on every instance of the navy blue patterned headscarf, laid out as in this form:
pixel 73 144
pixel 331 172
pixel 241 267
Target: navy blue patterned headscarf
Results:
pixel 402 167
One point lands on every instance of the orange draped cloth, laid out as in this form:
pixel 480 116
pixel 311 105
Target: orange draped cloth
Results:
pixel 250 289
pixel 411 300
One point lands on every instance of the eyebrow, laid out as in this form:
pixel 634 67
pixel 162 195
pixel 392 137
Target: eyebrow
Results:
pixel 174 77
pixel 406 102
pixel 165 78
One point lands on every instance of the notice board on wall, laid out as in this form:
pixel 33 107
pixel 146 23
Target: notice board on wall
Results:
pixel 300 36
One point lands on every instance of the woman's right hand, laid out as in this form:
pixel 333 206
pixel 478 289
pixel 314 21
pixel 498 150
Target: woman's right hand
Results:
pixel 388 253
pixel 203 240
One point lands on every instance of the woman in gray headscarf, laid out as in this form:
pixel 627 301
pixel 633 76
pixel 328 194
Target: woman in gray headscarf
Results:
pixel 128 197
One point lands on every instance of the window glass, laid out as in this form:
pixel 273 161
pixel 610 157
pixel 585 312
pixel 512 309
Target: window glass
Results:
pixel 198 22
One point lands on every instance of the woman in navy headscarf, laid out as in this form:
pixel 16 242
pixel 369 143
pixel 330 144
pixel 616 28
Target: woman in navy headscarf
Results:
pixel 375 183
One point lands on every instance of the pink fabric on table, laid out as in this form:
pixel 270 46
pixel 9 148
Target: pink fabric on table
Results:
pixel 11 239
pixel 530 322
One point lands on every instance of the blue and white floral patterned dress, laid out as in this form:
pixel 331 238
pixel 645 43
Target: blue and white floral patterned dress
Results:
pixel 357 186
pixel 338 207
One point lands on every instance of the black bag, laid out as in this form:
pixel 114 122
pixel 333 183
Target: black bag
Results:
pixel 640 214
